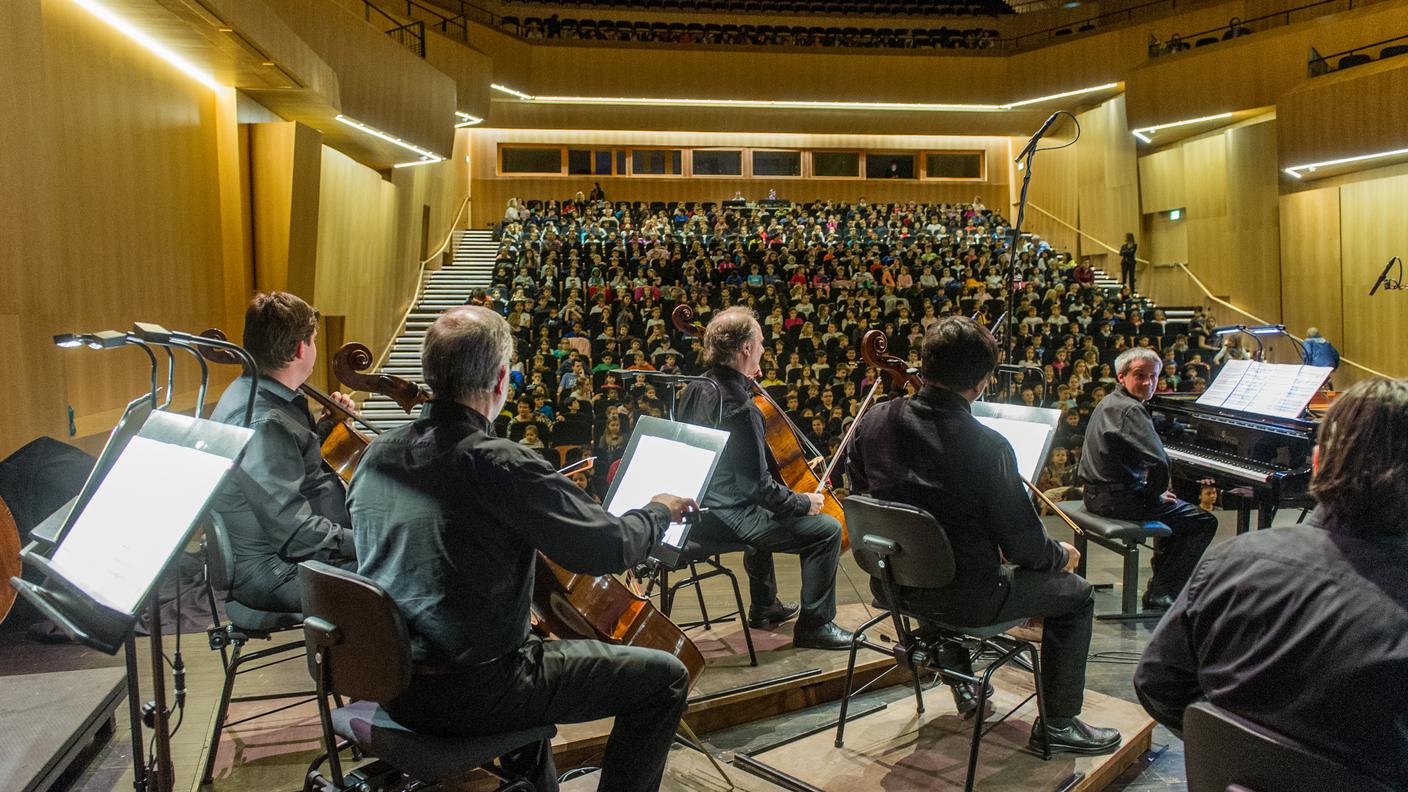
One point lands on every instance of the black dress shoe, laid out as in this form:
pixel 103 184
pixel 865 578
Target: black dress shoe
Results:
pixel 773 615
pixel 827 636
pixel 1078 738
pixel 1157 602
pixel 965 698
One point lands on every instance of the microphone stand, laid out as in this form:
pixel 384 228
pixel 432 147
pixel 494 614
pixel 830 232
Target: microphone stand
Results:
pixel 1025 158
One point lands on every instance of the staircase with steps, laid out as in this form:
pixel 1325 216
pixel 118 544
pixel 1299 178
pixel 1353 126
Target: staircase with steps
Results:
pixel 445 288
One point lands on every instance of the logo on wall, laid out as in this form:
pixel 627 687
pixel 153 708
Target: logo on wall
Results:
pixel 1387 283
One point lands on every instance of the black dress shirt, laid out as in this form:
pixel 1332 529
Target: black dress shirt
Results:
pixel 283 504
pixel 1123 455
pixel 1301 629
pixel 448 520
pixel 743 477
pixel 929 451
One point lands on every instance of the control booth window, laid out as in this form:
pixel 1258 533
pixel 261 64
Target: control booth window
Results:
pixel 836 164
pixel 656 162
pixel 889 165
pixel 777 163
pixel 953 165
pixel 530 160
pixel 714 162
pixel 589 162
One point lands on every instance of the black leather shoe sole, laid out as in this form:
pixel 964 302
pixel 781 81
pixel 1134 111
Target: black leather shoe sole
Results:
pixel 1084 749
pixel 828 641
pixel 967 702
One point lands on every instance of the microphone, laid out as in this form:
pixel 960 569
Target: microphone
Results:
pixel 1383 276
pixel 1031 144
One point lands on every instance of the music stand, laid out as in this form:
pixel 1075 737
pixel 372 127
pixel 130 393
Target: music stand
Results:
pixel 1029 430
pixel 153 483
pixel 665 456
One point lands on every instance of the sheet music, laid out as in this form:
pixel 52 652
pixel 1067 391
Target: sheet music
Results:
pixel 144 506
pixel 660 465
pixel 1027 438
pixel 1276 389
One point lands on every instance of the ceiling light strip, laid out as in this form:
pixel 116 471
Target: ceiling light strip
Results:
pixel 1143 133
pixel 792 104
pixel 152 45
pixel 1311 167
pixel 426 154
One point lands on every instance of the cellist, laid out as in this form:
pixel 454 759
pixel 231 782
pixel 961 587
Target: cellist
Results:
pixel 284 504
pixel 746 504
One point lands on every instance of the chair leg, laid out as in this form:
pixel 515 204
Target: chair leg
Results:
pixel 221 711
pixel 667 594
pixel 1129 598
pixel 978 718
pixel 742 614
pixel 1040 701
pixel 699 593
pixel 846 691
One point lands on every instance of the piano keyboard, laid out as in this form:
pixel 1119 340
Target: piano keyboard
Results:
pixel 1213 461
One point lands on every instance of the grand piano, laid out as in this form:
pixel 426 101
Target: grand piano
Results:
pixel 1266 455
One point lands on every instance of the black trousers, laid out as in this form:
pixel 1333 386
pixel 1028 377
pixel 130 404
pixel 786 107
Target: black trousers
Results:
pixel 561 682
pixel 271 583
pixel 1127 274
pixel 1062 599
pixel 816 539
pixel 1176 555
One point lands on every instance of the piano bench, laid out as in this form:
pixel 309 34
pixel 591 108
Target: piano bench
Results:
pixel 1120 536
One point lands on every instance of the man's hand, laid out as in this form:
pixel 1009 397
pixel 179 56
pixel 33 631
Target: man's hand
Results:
pixel 677 505
pixel 343 400
pixel 1072 557
pixel 1168 497
pixel 815 500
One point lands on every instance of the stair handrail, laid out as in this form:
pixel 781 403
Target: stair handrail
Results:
pixel 421 279
pixel 1204 289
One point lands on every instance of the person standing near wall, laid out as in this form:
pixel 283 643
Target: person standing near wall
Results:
pixel 1127 261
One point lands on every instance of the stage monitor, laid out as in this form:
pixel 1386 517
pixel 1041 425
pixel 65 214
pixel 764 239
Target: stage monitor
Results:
pixel 665 457
pixel 1029 430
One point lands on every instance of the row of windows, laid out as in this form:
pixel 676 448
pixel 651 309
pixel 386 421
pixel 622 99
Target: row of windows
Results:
pixel 515 160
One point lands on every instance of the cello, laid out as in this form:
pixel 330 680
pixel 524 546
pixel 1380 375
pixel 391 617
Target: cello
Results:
pixel 568 604
pixel 10 565
pixel 788 446
pixel 343 447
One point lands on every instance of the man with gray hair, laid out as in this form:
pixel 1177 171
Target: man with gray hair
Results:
pixel 1126 474
pixel 449 520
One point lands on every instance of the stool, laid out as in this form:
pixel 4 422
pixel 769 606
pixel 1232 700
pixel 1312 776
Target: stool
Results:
pixel 1123 537
pixel 695 553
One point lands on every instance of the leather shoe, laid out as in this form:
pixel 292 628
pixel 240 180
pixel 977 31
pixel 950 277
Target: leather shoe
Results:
pixel 826 636
pixel 773 615
pixel 1078 738
pixel 965 698
pixel 1157 602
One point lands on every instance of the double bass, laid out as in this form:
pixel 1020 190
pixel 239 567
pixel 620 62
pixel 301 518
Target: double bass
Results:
pixel 342 449
pixel 568 604
pixel 785 441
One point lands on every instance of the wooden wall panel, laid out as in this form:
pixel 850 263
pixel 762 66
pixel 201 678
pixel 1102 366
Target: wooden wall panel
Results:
pixel 1108 181
pixel 284 186
pixel 1311 283
pixel 1346 114
pixel 1054 188
pixel 1161 181
pixel 1372 229
pixel 1253 219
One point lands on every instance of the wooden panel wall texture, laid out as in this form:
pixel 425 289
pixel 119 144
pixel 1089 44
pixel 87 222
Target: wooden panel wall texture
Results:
pixel 1372 229
pixel 1310 262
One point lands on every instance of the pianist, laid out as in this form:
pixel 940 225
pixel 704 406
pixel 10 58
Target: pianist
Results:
pixel 1126 475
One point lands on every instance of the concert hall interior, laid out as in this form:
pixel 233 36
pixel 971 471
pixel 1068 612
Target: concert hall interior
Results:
pixel 468 245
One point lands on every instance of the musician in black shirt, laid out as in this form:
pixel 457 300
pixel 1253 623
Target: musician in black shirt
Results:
pixel 1300 629
pixel 449 519
pixel 929 451
pixel 283 504
pixel 1126 475
pixel 746 504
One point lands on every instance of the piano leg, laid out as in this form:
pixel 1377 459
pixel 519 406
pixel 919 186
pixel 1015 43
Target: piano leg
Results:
pixel 1265 511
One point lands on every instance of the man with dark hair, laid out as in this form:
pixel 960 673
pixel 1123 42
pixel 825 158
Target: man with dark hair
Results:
pixel 1300 628
pixel 449 520
pixel 284 504
pixel 746 504
pixel 928 451
pixel 1126 475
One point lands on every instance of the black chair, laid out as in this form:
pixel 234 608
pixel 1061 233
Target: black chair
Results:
pixel 1226 753
pixel 1123 537
pixel 900 545
pixel 1357 59
pixel 358 647
pixel 1395 50
pixel 244 624
pixel 693 556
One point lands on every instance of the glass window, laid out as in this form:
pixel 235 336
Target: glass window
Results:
pixel 656 162
pixel 717 163
pixel 589 162
pixel 889 165
pixel 777 163
pixel 531 160
pixel 953 165
pixel 836 163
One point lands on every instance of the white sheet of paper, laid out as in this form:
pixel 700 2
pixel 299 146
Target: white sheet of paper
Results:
pixel 660 465
pixel 1278 389
pixel 130 527
pixel 1027 438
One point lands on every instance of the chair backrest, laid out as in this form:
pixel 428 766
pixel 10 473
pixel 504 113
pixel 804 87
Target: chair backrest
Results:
pixel 1225 752
pixel 913 543
pixel 219 557
pixel 355 634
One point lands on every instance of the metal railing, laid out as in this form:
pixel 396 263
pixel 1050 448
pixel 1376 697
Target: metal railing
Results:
pixel 453 26
pixel 1237 27
pixel 410 35
pixel 1320 64
pixel 1085 25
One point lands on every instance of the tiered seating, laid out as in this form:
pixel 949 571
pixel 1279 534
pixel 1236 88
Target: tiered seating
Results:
pixel 681 33
pixel 807 7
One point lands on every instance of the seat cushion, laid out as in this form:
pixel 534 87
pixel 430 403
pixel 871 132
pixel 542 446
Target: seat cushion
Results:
pixel 257 621
pixel 989 631
pixel 428 758
pixel 1108 528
